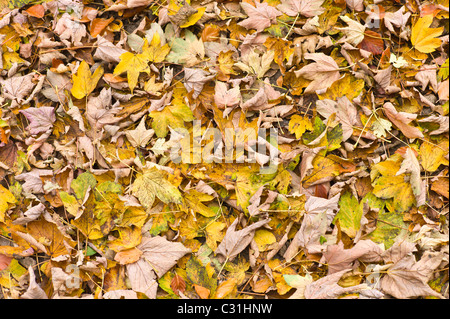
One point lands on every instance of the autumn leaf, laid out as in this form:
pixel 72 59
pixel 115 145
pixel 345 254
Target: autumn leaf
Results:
pixel 236 241
pixel 298 125
pixel 424 38
pixel 259 17
pixel 306 8
pixel 84 82
pixel 323 72
pixel 152 184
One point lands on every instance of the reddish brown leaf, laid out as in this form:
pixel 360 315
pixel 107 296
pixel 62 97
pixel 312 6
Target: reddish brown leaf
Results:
pixel 372 42
pixel 178 284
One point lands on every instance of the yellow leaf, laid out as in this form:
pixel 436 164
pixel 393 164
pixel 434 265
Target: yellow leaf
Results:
pixel 133 64
pixel 264 238
pixel 214 234
pixel 432 156
pixel 5 197
pixel 194 18
pixel 152 183
pixel 84 82
pixel 327 167
pixel 155 52
pixel 424 38
pixel 299 124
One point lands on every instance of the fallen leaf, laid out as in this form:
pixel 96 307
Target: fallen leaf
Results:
pixel 323 72
pixel 84 82
pixel 237 240
pixel 402 120
pixel 306 8
pixel 259 17
pixel 424 38
pixel 151 184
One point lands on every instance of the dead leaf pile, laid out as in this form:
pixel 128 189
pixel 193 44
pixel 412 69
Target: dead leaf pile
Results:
pixel 341 193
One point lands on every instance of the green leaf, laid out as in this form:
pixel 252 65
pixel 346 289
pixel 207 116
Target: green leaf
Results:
pixel 81 184
pixel 349 214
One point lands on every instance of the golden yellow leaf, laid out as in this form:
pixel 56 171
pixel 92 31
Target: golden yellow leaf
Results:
pixel 424 38
pixel 432 156
pixel 299 124
pixel 6 197
pixel 84 82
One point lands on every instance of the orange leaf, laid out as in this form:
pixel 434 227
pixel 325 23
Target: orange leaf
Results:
pixel 372 42
pixel 128 256
pixel 210 33
pixel 36 11
pixel 201 291
pixel 98 25
pixel 226 288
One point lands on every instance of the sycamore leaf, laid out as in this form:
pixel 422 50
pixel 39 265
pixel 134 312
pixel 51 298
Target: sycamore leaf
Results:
pixel 299 124
pixel 140 136
pixel 354 33
pixel 431 156
pixel 84 82
pixel 41 118
pixel 407 278
pixel 133 64
pixel 349 214
pixel 188 51
pixel 424 38
pixel 323 72
pixel 6 197
pixel 151 184
pixel 236 241
pixel 161 254
pixel 306 8
pixel 260 17
pixel 327 287
pixel 154 52
pixel 226 98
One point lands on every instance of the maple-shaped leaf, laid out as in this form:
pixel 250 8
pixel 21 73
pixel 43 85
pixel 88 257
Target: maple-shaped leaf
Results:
pixel 84 82
pixel 155 52
pixel 424 38
pixel 226 98
pixel 41 118
pixel 172 116
pixel 187 51
pixel 140 136
pixel 337 258
pixel 151 184
pixel 354 33
pixel 236 241
pixel 299 124
pixel 323 72
pixel 306 8
pixel 407 278
pixel 390 185
pixel 6 197
pixel 133 64
pixel 260 17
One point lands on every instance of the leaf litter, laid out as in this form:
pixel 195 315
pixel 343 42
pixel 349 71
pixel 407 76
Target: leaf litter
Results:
pixel 95 97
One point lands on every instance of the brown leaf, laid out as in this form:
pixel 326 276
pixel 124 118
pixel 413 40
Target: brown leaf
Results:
pixel 236 241
pixel 401 120
pixel 323 72
pixel 372 42
pixel 178 284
